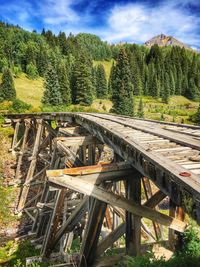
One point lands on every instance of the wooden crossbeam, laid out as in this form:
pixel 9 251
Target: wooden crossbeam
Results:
pixel 68 226
pixel 78 140
pixel 116 200
pixel 71 156
pixel 84 170
pixel 120 230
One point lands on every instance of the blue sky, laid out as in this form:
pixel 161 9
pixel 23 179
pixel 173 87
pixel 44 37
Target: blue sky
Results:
pixel 113 20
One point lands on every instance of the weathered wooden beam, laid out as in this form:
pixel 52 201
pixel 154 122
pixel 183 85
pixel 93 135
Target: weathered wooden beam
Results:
pixel 74 218
pixel 84 170
pixel 120 230
pixel 92 232
pixel 78 140
pixel 19 162
pixel 133 221
pixel 110 239
pixel 15 136
pixel 32 166
pixel 53 223
pixel 149 193
pixel 71 156
pixel 155 199
pixel 116 200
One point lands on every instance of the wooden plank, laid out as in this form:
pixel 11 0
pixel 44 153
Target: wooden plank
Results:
pixel 178 138
pixel 162 168
pixel 83 170
pixel 116 200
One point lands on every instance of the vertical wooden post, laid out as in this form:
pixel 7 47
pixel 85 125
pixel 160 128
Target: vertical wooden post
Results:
pixel 133 222
pixel 19 163
pixel 32 166
pixel 175 237
pixel 93 229
pixel 53 222
pixel 148 193
pixel 14 141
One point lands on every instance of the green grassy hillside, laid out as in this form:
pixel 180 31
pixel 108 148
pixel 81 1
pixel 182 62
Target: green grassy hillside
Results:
pixel 29 91
pixel 179 108
pixel 107 66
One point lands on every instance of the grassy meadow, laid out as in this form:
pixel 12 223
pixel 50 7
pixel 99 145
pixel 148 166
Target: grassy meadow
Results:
pixel 179 109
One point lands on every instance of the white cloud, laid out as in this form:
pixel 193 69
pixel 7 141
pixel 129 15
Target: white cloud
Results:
pixel 56 12
pixel 139 22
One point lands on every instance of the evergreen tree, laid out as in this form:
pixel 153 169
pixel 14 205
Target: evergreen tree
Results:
pixel 64 84
pixel 7 87
pixel 155 90
pixel 196 117
pixel 166 89
pixel 111 80
pixel 172 83
pixel 82 80
pixel 31 71
pixel 192 91
pixel 101 82
pixel 123 89
pixel 52 95
pixel 140 112
pixel 136 75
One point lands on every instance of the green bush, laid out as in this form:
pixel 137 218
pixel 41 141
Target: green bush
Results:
pixel 19 106
pixel 31 71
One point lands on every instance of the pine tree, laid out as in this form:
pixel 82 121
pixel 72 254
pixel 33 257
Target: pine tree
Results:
pixel 31 71
pixel 172 83
pixel 123 89
pixel 140 112
pixel 101 82
pixel 52 95
pixel 196 117
pixel 192 92
pixel 166 89
pixel 7 87
pixel 155 90
pixel 64 84
pixel 82 80
pixel 111 81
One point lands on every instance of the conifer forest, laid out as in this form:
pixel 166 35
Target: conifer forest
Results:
pixel 66 64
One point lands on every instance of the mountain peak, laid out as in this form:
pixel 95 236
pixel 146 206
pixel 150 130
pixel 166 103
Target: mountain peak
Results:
pixel 164 40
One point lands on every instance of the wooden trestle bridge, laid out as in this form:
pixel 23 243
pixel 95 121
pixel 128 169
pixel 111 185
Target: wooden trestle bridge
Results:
pixel 99 177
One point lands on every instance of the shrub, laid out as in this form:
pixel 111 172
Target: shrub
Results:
pixel 19 106
pixel 31 71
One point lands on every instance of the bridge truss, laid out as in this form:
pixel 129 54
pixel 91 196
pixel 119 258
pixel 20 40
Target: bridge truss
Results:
pixel 100 177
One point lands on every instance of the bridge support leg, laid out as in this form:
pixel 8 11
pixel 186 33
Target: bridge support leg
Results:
pixel 15 136
pixel 32 166
pixel 148 193
pixel 93 229
pixel 19 163
pixel 133 222
pixel 174 237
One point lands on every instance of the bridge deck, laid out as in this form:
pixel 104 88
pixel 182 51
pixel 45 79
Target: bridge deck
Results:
pixel 167 153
